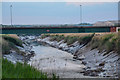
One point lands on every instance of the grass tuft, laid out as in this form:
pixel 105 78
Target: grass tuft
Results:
pixel 109 42
pixel 19 70
pixel 16 41
pixel 8 43
pixel 45 35
pixel 69 39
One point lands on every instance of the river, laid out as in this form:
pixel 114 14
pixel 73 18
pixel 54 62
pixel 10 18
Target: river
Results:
pixel 52 60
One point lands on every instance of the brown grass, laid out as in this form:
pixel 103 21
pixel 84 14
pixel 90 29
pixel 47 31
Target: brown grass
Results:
pixel 82 34
pixel 73 34
pixel 109 42
pixel 13 35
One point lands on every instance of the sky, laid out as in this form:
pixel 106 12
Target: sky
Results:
pixel 58 12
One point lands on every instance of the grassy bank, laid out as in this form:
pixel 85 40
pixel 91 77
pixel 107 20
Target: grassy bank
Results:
pixel 19 70
pixel 101 41
pixel 69 39
pixel 8 42
pixel 109 42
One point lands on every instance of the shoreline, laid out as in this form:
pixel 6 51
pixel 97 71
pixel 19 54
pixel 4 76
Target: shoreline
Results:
pixel 93 63
pixel 98 64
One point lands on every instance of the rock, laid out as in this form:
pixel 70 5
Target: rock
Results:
pixel 74 57
pixel 94 72
pixel 12 51
pixel 81 57
pixel 99 70
pixel 32 53
pixel 83 62
pixel 88 67
pixel 102 64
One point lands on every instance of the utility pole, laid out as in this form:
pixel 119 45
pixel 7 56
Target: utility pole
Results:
pixel 80 14
pixel 11 14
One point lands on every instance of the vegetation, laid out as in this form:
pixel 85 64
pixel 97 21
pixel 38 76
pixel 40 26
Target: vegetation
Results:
pixel 85 24
pixel 45 35
pixel 8 43
pixel 69 39
pixel 19 70
pixel 118 29
pixel 5 46
pixel 14 40
pixel 109 42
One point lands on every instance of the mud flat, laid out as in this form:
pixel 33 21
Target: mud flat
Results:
pixel 61 63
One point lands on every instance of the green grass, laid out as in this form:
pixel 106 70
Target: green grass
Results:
pixel 56 37
pixel 10 70
pixel 69 39
pixel 9 43
pixel 19 70
pixel 5 46
pixel 108 42
pixel 44 35
pixel 16 41
pixel 85 39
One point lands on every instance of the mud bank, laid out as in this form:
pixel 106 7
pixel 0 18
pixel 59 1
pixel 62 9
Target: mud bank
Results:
pixel 54 61
pixel 74 61
pixel 22 54
pixel 97 62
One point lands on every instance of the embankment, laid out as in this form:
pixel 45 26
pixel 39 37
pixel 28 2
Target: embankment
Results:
pixel 99 51
pixel 13 48
pixel 14 57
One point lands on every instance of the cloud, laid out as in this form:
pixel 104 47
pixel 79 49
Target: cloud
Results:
pixel 60 0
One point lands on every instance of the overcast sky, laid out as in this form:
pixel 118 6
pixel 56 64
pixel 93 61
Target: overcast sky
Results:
pixel 58 12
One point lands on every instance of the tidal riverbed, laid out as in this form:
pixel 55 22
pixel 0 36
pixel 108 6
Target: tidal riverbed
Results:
pixel 52 60
pixel 58 58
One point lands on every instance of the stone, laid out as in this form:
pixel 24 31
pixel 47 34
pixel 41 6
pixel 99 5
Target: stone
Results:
pixel 83 62
pixel 81 57
pixel 102 64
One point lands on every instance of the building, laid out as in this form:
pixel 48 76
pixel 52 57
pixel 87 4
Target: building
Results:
pixel 107 23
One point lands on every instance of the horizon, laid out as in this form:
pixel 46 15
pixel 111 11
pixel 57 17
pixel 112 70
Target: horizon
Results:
pixel 60 13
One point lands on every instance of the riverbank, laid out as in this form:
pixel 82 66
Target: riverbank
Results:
pixel 19 70
pixel 15 55
pixel 53 61
pixel 14 49
pixel 96 52
pixel 71 56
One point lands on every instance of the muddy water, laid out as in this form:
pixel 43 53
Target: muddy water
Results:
pixel 52 60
